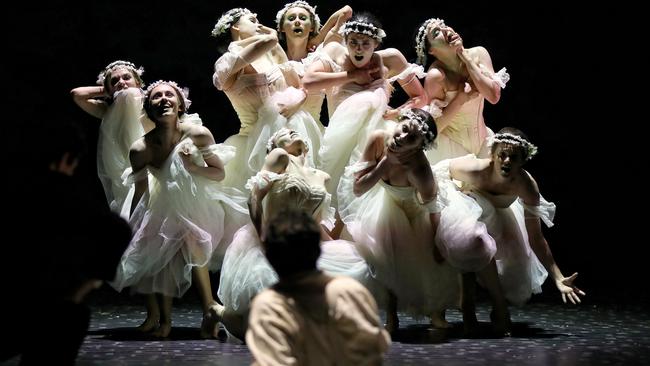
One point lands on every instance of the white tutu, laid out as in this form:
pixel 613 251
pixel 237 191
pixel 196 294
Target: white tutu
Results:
pixel 461 238
pixel 520 272
pixel 393 233
pixel 182 221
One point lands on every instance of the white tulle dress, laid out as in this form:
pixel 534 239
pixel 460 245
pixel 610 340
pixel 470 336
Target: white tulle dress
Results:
pixel 121 126
pixel 255 98
pixel 246 271
pixel 393 232
pixel 182 221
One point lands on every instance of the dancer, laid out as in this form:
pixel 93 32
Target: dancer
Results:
pixel 183 219
pixel 117 101
pixel 395 215
pixel 264 92
pixel 457 82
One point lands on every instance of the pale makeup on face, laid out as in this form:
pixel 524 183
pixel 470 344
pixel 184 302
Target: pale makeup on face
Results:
pixel 297 22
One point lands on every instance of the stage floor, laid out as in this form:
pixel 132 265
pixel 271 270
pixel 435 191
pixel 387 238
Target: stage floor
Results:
pixel 546 332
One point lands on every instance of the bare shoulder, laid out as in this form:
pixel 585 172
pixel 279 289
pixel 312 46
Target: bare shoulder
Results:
pixel 334 49
pixel 201 135
pixel 479 53
pixel 528 189
pixel 139 154
pixel 391 55
pixel 435 74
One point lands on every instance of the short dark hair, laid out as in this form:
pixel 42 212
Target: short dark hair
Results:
pixel 292 242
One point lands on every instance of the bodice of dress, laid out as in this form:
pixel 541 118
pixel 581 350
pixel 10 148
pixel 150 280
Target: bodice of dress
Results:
pixel 405 197
pixel 249 91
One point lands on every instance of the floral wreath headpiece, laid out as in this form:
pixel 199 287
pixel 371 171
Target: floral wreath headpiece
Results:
pixel 225 22
pixel 119 64
pixel 183 92
pixel 368 29
pixel 516 140
pixel 428 135
pixel 421 36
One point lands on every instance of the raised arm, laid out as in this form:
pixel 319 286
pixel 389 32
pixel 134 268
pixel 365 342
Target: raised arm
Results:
pixel 252 49
pixel 86 98
pixel 320 75
pixel 329 31
pixel 488 88
pixel 276 162
pixel 529 192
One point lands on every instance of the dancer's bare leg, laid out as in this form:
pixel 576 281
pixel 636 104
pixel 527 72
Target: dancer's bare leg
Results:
pixel 153 315
pixel 468 303
pixel 165 317
pixel 201 278
pixel 500 316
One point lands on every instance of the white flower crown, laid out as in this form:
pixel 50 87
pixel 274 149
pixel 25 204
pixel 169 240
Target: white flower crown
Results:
pixel 119 64
pixel 225 22
pixel 420 39
pixel 512 139
pixel 368 29
pixel 427 134
pixel 183 92
pixel 301 4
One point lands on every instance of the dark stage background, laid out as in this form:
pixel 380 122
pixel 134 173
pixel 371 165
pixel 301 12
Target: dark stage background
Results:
pixel 553 95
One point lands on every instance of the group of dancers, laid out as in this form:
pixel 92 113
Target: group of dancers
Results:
pixel 418 202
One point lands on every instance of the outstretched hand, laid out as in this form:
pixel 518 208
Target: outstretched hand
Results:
pixel 568 290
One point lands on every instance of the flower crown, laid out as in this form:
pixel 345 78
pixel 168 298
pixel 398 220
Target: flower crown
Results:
pixel 421 36
pixel 428 135
pixel 184 92
pixel 301 4
pixel 368 29
pixel 119 64
pixel 225 22
pixel 516 140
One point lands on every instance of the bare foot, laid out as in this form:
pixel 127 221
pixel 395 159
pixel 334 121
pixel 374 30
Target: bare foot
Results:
pixel 149 324
pixel 163 330
pixel 392 322
pixel 211 320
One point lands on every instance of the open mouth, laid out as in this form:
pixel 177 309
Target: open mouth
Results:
pixel 506 169
pixel 358 58
pixel 297 31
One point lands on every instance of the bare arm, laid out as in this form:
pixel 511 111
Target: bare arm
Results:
pixel 329 31
pixel 320 76
pixel 488 88
pixel 529 193
pixel 434 88
pixel 139 158
pixel 214 169
pixel 85 98
pixel 367 178
pixel 276 161
pixel 253 48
